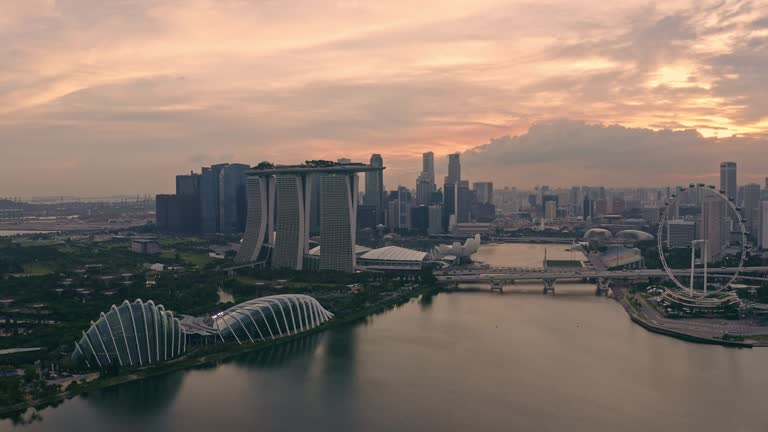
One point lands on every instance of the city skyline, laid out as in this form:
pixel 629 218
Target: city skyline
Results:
pixel 582 90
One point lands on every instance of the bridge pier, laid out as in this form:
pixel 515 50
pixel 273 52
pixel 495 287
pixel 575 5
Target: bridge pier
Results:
pixel 549 286
pixel 497 285
pixel 602 286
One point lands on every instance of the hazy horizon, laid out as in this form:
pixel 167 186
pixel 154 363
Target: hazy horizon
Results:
pixel 117 97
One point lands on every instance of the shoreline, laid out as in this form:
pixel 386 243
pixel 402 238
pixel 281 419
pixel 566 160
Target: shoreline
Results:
pixel 186 363
pixel 653 328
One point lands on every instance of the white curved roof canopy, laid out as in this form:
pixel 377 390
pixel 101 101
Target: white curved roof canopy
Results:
pixel 597 234
pixel 395 253
pixel 635 235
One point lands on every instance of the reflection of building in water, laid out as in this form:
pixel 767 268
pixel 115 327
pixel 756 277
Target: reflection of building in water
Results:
pixel 138 400
pixel 279 355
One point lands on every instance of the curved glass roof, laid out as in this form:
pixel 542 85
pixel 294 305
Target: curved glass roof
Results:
pixel 269 318
pixel 132 334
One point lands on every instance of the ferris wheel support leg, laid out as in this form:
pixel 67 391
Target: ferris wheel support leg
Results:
pixel 693 264
pixel 706 262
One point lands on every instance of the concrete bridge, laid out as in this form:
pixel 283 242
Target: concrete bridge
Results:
pixel 498 277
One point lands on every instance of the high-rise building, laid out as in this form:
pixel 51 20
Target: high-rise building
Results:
pixel 465 199
pixel 483 192
pixel 435 219
pixel 209 198
pixel 403 208
pixel 711 220
pixel 449 204
pixel 601 207
pixel 728 179
pixel 533 201
pixel 188 184
pixel 258 240
pixel 751 207
pixel 550 210
pixel 680 233
pixel 167 211
pixel 618 205
pixel 651 215
pixel 338 209
pixel 420 218
pixel 547 198
pixel 454 168
pixel 292 241
pixel 586 207
pixel 424 189
pixel 374 186
pixel 366 217
pixel 764 224
pixel 232 198
pixel 428 166
pixel 187 203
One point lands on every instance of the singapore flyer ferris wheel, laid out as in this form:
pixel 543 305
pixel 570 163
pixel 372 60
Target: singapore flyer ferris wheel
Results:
pixel 727 208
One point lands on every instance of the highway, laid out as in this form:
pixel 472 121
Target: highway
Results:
pixel 527 273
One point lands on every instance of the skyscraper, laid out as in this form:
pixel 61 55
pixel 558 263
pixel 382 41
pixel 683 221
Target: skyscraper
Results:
pixel 550 210
pixel 232 201
pixel 292 221
pixel 449 203
pixel 751 208
pixel 586 207
pixel 259 235
pixel 465 199
pixel 454 168
pixel 728 179
pixel 711 220
pixel 338 213
pixel 188 203
pixel 403 208
pixel 424 188
pixel 209 199
pixel 764 224
pixel 435 219
pixel 483 192
pixel 374 186
pixel 428 166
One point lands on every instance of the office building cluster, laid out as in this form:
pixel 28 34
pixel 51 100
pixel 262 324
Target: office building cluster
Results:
pixel 210 202
pixel 428 208
pixel 702 215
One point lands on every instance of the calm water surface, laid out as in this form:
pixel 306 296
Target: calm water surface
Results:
pixel 463 361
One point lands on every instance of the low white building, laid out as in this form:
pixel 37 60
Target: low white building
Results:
pixel 392 258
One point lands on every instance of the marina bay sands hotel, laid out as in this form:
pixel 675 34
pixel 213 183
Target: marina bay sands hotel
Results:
pixel 279 211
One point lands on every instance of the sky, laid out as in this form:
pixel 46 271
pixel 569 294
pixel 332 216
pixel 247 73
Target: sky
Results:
pixel 117 96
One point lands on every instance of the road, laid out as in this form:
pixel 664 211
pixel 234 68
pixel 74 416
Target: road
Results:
pixel 518 273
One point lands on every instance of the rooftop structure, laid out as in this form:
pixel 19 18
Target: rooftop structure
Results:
pixel 393 258
pixel 634 236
